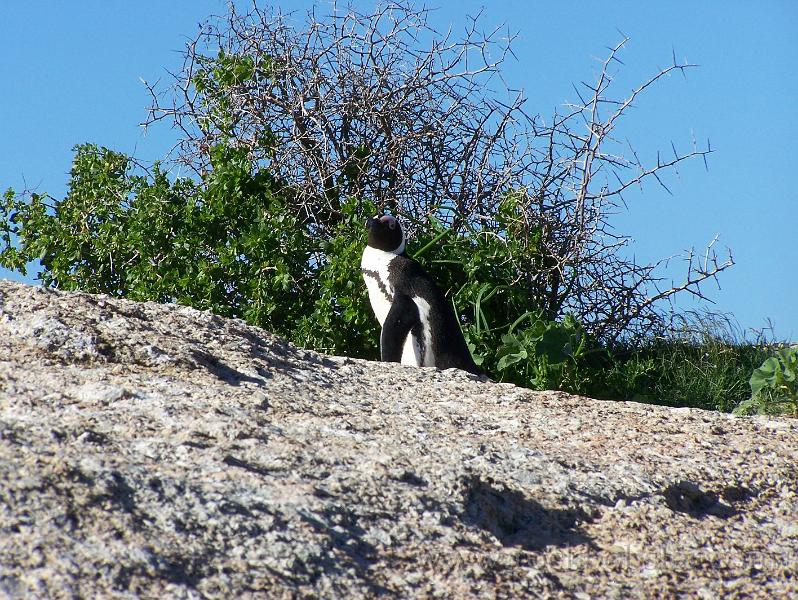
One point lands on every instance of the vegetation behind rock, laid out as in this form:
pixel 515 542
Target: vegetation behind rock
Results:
pixel 294 133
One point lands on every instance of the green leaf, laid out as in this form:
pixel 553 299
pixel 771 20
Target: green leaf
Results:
pixel 765 376
pixel 511 359
pixel 553 343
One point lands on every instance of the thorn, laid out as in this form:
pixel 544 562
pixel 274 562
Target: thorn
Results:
pixel 665 187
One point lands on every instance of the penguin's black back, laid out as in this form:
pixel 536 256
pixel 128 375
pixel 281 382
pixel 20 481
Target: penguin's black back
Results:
pixel 449 346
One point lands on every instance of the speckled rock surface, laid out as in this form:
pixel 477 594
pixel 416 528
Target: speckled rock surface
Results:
pixel 159 451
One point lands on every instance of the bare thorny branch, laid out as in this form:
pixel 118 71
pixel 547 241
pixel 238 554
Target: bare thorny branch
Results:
pixel 384 107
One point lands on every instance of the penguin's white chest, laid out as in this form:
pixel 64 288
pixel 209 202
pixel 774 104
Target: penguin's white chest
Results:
pixel 374 266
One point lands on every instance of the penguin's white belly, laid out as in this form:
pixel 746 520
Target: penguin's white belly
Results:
pixel 411 352
pixel 428 358
pixel 419 353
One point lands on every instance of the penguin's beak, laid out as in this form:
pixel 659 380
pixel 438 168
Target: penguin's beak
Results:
pixel 372 222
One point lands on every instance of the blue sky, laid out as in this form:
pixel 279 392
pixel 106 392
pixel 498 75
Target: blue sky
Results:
pixel 71 74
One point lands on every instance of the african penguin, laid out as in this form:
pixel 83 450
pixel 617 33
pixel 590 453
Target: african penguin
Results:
pixel 418 324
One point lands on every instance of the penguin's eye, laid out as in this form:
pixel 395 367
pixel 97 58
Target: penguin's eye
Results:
pixel 391 224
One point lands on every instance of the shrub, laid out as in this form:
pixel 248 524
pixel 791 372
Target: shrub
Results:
pixel 226 244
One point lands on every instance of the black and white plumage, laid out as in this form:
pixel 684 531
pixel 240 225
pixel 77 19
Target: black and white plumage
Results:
pixel 419 326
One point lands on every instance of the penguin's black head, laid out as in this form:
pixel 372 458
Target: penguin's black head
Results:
pixel 386 234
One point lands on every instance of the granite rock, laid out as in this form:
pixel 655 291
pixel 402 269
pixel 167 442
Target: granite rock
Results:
pixel 154 450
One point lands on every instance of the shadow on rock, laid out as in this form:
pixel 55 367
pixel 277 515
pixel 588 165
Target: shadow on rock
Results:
pixel 222 371
pixel 688 497
pixel 516 520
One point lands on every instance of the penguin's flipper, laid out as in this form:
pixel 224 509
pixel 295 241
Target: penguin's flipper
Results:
pixel 402 317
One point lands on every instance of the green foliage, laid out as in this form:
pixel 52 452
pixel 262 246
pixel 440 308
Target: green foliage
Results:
pixel 774 385
pixel 546 354
pixel 477 269
pixel 704 362
pixel 226 244
pixel 213 78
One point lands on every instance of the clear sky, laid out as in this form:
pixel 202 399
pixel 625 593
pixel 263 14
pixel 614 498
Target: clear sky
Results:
pixel 70 73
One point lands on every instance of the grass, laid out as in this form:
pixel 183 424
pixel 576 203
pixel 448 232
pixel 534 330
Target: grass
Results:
pixel 706 362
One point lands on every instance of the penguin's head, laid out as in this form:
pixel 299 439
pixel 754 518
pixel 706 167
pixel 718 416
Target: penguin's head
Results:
pixel 385 233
